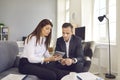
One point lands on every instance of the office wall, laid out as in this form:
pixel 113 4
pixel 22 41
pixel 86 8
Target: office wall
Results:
pixel 60 16
pixel 86 19
pixel 22 16
pixel 102 56
pixel 75 12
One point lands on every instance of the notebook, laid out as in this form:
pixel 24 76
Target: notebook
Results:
pixel 89 76
pixel 14 77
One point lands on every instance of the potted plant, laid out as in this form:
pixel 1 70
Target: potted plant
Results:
pixel 2 24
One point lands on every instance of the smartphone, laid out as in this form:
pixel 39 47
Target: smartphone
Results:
pixel 59 53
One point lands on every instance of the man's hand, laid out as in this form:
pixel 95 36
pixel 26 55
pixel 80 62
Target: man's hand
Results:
pixel 67 61
pixel 62 61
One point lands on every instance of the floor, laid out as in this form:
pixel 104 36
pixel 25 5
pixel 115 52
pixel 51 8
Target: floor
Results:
pixel 99 71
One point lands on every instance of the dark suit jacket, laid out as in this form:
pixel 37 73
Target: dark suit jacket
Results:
pixel 75 48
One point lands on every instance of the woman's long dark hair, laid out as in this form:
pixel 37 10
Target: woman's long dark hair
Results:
pixel 38 30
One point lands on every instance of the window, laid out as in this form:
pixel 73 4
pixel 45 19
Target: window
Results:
pixel 108 8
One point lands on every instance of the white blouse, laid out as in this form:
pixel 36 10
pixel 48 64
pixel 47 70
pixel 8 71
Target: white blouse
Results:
pixel 35 53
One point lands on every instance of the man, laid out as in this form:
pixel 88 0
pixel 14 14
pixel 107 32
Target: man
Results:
pixel 73 59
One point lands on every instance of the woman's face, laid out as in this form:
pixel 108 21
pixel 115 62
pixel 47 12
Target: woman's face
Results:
pixel 46 30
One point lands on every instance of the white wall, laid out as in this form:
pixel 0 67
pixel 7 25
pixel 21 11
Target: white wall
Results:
pixel 75 12
pixel 81 15
pixel 102 55
pixel 60 16
pixel 86 18
pixel 75 16
pixel 22 16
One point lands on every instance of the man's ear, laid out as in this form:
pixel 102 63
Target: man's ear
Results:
pixel 72 30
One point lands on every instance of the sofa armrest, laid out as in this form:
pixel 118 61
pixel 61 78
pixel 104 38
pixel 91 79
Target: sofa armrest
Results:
pixel 16 63
pixel 88 53
pixel 8 53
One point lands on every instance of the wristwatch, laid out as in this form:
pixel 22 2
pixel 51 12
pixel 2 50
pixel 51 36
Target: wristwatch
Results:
pixel 74 60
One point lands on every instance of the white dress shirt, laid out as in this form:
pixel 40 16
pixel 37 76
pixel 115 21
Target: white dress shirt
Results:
pixel 35 53
pixel 67 48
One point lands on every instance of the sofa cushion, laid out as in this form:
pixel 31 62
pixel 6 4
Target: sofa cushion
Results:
pixel 8 53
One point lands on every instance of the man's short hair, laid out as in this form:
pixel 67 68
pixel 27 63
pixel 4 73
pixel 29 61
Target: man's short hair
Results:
pixel 66 25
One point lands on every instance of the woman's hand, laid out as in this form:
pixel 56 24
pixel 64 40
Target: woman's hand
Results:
pixel 57 57
pixel 53 58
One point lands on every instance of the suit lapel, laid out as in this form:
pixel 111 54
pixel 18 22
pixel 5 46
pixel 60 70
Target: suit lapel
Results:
pixel 63 45
pixel 71 44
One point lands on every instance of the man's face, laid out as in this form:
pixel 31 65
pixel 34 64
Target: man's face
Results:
pixel 66 32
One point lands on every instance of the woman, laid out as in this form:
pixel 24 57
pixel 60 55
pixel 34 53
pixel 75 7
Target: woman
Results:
pixel 36 59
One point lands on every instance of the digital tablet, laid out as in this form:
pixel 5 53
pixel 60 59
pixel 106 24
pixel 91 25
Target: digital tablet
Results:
pixel 59 53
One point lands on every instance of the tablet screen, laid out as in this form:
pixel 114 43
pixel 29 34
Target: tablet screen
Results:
pixel 60 53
